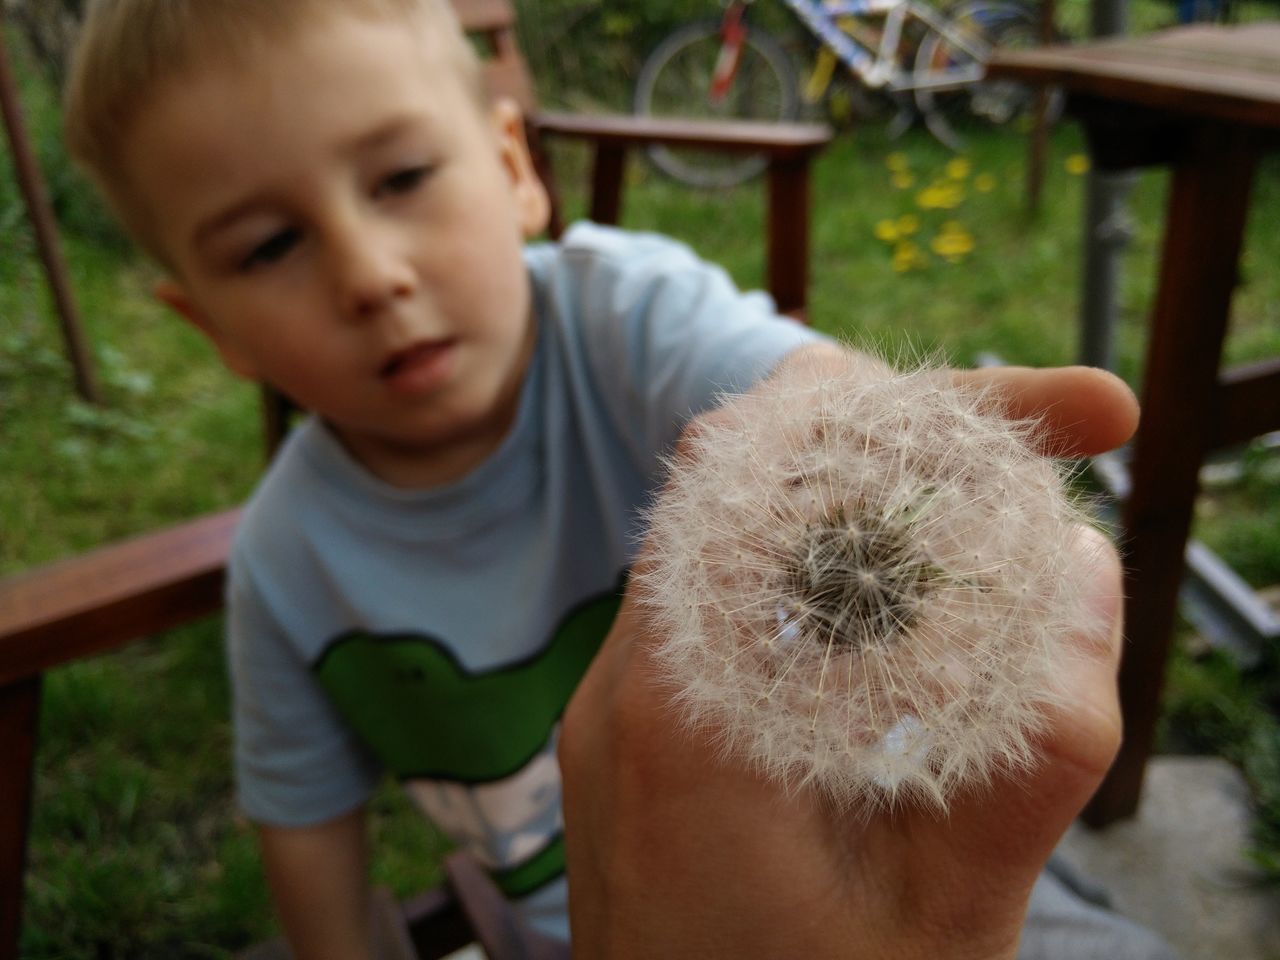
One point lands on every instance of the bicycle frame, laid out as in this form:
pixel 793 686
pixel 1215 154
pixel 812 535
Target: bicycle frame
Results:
pixel 733 30
pixel 879 68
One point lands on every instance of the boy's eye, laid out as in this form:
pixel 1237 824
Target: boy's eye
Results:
pixel 403 181
pixel 270 250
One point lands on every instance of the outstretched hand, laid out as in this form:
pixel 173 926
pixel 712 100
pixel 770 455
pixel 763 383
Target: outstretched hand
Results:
pixel 675 852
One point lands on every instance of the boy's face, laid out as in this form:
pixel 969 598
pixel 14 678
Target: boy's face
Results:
pixel 346 224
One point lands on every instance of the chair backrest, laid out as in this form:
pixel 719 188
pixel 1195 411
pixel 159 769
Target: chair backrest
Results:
pixel 491 24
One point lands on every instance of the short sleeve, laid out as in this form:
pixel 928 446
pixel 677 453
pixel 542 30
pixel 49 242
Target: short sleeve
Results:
pixel 296 762
pixel 667 334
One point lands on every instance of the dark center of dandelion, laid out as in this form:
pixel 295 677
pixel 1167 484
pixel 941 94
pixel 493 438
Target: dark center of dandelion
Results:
pixel 856 582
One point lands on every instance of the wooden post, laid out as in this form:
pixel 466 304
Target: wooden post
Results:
pixel 606 183
pixel 36 199
pixel 19 722
pixel 1039 146
pixel 788 253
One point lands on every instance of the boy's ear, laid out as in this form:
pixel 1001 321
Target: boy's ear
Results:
pixel 533 206
pixel 173 295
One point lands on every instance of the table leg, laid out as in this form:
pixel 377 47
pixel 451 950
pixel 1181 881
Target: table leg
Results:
pixel 1206 216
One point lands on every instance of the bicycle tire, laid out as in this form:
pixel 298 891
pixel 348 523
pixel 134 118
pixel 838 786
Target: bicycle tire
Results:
pixel 766 88
pixel 1001 23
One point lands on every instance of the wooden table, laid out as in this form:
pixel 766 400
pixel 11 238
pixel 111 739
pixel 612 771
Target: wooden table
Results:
pixel 1204 100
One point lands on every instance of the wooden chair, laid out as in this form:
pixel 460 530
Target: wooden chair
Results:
pixel 789 148
pixel 99 601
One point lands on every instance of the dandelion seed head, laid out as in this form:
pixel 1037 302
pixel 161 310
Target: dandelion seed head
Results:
pixel 864 585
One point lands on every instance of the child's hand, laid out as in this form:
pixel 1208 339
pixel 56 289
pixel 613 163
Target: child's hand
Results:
pixel 674 853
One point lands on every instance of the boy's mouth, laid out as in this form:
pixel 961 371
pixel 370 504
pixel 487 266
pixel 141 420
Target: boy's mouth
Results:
pixel 418 366
pixel 422 352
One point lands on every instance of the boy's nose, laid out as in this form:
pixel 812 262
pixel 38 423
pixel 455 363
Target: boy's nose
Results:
pixel 371 274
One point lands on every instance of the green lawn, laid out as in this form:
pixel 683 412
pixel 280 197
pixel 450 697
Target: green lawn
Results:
pixel 136 850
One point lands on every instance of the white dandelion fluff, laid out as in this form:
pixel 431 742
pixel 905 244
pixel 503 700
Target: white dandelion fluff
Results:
pixel 867 586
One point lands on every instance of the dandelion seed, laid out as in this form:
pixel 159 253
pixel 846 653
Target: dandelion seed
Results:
pixel 893 631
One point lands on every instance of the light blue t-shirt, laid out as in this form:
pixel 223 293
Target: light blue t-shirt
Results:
pixel 437 634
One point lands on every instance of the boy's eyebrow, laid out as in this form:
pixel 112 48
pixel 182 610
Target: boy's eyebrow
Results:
pixel 219 221
pixel 384 132
pixel 366 140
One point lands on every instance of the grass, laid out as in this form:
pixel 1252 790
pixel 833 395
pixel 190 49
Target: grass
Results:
pixel 135 847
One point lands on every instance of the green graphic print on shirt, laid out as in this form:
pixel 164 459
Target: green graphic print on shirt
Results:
pixel 474 750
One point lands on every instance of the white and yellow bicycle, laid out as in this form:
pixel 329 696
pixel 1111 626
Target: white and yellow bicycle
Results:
pixel 928 62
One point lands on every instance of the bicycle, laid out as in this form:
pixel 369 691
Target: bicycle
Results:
pixel 930 62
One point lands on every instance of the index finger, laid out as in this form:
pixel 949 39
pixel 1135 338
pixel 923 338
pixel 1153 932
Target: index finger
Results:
pixel 1084 410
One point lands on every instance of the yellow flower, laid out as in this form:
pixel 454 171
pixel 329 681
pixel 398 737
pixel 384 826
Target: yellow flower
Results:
pixel 903 180
pixel 907 256
pixel 887 230
pixel 953 242
pixel 907 224
pixel 1077 164
pixel 958 168
pixel 930 198
pixel 984 183
pixel 897 162
pixel 940 196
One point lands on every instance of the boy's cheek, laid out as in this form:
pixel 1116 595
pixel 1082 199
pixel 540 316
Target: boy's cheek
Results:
pixel 234 356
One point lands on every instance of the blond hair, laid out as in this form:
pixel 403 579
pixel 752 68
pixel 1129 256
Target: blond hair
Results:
pixel 128 50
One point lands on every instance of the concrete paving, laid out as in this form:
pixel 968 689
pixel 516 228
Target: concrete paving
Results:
pixel 1178 867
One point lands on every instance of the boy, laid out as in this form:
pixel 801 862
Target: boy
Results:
pixel 435 554
pixel 433 558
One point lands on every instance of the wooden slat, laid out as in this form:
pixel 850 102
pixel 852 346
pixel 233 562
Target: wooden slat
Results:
pixel 19 722
pixel 787 256
pixel 1247 403
pixel 606 183
pixel 775 139
pixel 391 940
pixel 99 600
pixel 36 197
pixel 509 78
pixel 483 16
pixel 502 932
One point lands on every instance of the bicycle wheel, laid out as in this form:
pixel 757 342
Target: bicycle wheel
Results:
pixel 994 23
pixel 675 81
